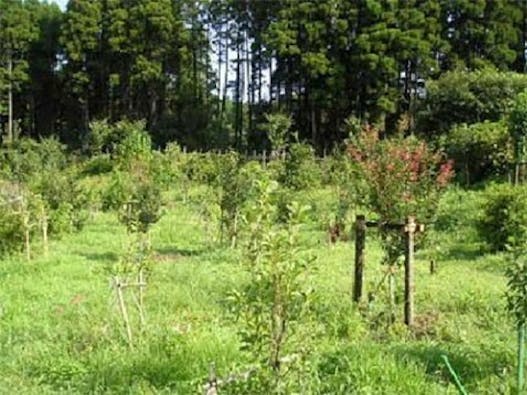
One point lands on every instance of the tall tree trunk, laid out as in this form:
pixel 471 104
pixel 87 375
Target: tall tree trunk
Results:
pixel 524 37
pixel 239 75
pixel 10 97
pixel 226 80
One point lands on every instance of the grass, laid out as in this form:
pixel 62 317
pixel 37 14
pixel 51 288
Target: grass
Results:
pixel 60 333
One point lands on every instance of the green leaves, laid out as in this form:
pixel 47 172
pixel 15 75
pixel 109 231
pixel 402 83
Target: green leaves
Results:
pixel 272 304
pixel 516 294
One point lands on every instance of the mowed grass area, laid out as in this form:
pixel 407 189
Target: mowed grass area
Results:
pixel 60 330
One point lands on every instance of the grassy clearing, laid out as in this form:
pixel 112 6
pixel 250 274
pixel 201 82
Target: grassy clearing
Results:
pixel 59 331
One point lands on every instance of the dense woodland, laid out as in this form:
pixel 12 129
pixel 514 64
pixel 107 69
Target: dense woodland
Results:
pixel 205 72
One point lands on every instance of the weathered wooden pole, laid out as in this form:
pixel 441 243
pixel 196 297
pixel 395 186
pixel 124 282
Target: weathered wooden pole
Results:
pixel 433 267
pixel 409 229
pixel 360 241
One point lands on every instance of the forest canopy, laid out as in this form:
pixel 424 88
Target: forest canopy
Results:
pixel 206 72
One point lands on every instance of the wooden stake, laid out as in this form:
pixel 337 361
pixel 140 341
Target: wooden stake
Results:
pixel 409 229
pixel 432 267
pixel 360 238
pixel 45 232
pixel 140 285
pixel 122 308
pixel 27 240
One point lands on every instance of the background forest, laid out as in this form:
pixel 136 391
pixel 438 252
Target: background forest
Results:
pixel 205 72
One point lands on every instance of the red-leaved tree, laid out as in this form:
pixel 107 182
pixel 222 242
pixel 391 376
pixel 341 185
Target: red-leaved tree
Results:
pixel 404 177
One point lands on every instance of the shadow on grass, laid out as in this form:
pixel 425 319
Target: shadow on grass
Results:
pixel 463 251
pixel 175 252
pixel 108 256
pixel 471 366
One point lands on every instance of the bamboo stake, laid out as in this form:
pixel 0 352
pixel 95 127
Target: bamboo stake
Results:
pixel 140 285
pixel 122 308
pixel 410 229
pixel 45 231
pixel 27 241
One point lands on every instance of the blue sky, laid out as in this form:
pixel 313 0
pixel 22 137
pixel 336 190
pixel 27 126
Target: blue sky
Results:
pixel 61 3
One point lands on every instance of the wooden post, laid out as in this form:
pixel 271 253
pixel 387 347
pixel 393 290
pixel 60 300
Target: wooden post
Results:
pixel 409 229
pixel 212 386
pixel 432 266
pixel 27 229
pixel 264 159
pixel 360 238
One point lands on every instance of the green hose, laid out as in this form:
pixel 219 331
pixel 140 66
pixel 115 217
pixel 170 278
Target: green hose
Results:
pixel 459 386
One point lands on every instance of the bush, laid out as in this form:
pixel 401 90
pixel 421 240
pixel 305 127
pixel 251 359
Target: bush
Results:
pixel 504 216
pixel 64 198
pixel 135 146
pixel 167 167
pixel 142 208
pixel 480 150
pixel 27 157
pixel 11 225
pixel 300 170
pixel 518 126
pixel 404 175
pixel 200 168
pixel 118 189
pixel 469 97
pixel 97 165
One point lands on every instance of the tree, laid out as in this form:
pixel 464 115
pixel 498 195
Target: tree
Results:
pixel 16 33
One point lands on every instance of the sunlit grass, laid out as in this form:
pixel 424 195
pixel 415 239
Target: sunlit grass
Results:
pixel 60 330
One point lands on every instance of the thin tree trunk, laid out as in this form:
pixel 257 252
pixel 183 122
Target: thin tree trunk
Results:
pixel 10 97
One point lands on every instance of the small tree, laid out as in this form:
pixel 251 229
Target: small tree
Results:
pixel 518 131
pixel 273 302
pixel 405 177
pixel 517 305
pixel 233 185
pixel 277 127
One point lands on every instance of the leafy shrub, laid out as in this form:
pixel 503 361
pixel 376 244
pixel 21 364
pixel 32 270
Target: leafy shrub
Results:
pixel 479 150
pixel 105 138
pixel 277 127
pixel 300 170
pixel 26 157
pixel 143 207
pixel 504 216
pixel 200 168
pixel 234 185
pixel 136 145
pixel 349 187
pixel 96 165
pixel 118 189
pixel 518 126
pixel 11 225
pixel 469 97
pixel 136 197
pixel 66 201
pixel 273 302
pixel 404 176
pixel 167 167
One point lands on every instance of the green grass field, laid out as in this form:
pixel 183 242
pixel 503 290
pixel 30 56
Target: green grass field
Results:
pixel 60 330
